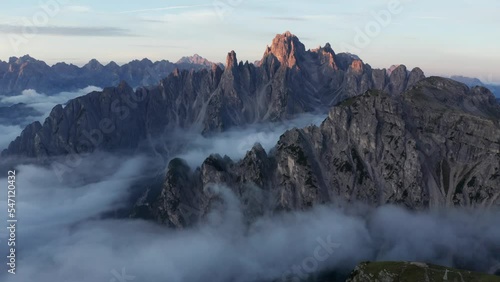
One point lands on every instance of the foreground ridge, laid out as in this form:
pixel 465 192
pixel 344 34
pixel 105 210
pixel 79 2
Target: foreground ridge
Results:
pixel 414 272
pixel 436 145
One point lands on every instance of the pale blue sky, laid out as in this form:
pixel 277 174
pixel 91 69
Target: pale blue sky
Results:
pixel 443 37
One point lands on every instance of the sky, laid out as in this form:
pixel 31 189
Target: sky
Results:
pixel 442 37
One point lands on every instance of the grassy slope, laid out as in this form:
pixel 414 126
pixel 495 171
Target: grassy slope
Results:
pixel 416 272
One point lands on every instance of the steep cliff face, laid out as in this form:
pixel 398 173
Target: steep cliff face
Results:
pixel 118 118
pixel 288 81
pixel 436 145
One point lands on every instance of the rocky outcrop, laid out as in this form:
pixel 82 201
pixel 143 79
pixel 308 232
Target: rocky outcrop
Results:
pixel 288 82
pixel 287 49
pixel 413 271
pixel 472 82
pixel 195 62
pixel 28 73
pixel 436 145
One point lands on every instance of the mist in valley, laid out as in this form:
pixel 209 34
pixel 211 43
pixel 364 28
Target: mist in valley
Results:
pixel 38 108
pixel 67 230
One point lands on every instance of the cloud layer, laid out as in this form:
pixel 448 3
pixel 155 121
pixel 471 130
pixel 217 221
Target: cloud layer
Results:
pixel 236 143
pixel 63 237
pixel 41 103
pixel 74 230
pixel 65 30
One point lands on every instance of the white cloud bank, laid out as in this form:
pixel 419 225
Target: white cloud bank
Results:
pixel 42 103
pixel 62 237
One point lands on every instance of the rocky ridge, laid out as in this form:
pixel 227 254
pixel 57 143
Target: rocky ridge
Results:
pixel 472 81
pixel 195 62
pixel 436 145
pixel 414 271
pixel 24 73
pixel 288 81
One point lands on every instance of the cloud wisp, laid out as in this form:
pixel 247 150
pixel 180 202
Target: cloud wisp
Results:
pixel 34 102
pixel 78 9
pixel 67 31
pixel 45 103
pixel 180 7
pixel 293 19
pixel 236 143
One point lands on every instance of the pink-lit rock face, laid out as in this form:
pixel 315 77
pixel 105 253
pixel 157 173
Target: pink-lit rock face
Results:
pixel 286 48
pixel 326 56
pixel 231 60
pixel 289 81
pixel 357 66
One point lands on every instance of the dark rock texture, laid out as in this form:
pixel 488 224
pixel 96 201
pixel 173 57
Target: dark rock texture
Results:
pixel 436 145
pixel 414 272
pixel 288 81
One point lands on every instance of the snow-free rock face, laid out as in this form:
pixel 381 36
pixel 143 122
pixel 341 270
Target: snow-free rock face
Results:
pixel 196 62
pixel 436 145
pixel 288 82
pixel 28 73
pixel 287 48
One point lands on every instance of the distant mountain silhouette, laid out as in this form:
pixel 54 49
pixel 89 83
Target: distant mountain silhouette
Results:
pixel 23 73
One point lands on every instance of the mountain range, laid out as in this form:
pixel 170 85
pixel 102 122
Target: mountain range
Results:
pixel 473 81
pixel 24 73
pixel 289 81
pixel 389 136
pixel 436 145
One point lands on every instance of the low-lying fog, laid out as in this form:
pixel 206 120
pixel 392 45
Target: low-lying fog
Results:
pixel 40 106
pixel 62 237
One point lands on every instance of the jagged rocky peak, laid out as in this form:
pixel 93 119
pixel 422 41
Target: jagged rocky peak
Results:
pixel 195 59
pixel 398 70
pixel 344 60
pixel 23 60
pixel 287 48
pixel 435 145
pixel 19 64
pixel 28 73
pixel 289 82
pixel 451 94
pixel 112 65
pixel 326 55
pixel 94 65
pixel 146 61
pixel 196 62
pixel 416 75
pixel 231 60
